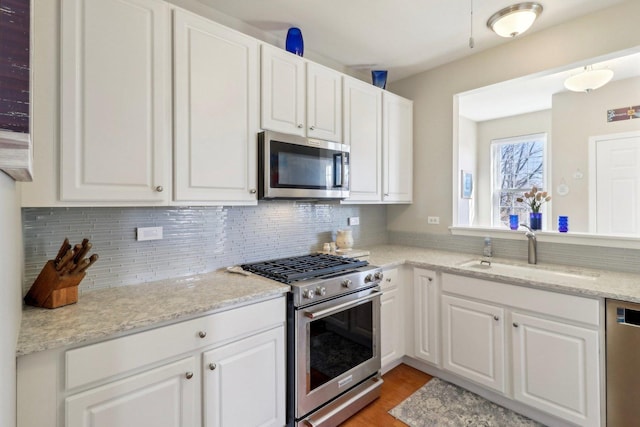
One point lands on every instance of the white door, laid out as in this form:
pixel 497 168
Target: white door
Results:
pixel 555 368
pixel 617 177
pixel 216 112
pixel 363 132
pixel 244 382
pixel 390 327
pixel 115 100
pixel 397 148
pixel 324 103
pixel 162 397
pixel 426 305
pixel 283 91
pixel 473 341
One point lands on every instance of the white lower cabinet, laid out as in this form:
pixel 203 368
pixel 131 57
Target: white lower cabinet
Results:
pixel 243 382
pixel 555 368
pixel 426 308
pixel 553 363
pixel 161 397
pixel 391 320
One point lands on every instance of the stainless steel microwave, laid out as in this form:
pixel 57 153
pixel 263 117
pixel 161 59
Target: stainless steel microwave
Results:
pixel 294 167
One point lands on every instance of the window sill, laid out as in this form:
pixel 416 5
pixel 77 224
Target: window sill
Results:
pixel 570 238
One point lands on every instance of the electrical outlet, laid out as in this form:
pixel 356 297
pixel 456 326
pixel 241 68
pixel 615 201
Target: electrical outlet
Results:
pixel 433 220
pixel 353 220
pixel 149 233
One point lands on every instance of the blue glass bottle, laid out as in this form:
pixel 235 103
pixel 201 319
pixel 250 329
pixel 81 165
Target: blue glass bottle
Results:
pixel 295 43
pixel 379 78
pixel 563 224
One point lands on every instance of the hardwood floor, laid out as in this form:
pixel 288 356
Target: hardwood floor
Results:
pixel 399 383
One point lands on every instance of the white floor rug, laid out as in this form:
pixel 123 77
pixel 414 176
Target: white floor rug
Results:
pixel 439 404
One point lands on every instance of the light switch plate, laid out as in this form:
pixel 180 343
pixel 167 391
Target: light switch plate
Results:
pixel 149 233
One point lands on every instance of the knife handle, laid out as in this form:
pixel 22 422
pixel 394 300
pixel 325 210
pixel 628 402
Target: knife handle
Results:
pixel 92 259
pixel 63 250
pixel 84 249
pixel 64 260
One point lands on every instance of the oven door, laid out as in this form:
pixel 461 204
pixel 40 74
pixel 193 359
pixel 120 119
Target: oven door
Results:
pixel 338 346
pixel 293 167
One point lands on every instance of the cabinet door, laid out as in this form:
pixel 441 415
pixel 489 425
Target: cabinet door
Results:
pixel 425 300
pixel 391 327
pixel 556 368
pixel 283 91
pixel 324 103
pixel 115 101
pixel 363 132
pixel 216 112
pixel 162 397
pixel 244 382
pixel 473 341
pixel 397 148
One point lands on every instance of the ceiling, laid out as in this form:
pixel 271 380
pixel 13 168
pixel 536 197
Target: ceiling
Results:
pixel 403 36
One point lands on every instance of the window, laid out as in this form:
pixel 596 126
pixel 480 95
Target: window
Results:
pixel 519 163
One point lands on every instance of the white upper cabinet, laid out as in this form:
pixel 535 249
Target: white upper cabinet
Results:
pixel 300 97
pixel 283 91
pixel 363 132
pixel 324 103
pixel 115 101
pixel 397 148
pixel 216 78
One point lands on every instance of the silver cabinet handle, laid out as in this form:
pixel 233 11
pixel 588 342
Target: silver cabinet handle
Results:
pixel 300 126
pixel 515 325
pixel 430 279
pixel 253 191
pixel 202 334
pixel 189 375
pixel 159 188
pixel 212 366
pixel 312 128
pixel 496 318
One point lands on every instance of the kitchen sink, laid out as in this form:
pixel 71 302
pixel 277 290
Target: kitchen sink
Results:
pixel 538 272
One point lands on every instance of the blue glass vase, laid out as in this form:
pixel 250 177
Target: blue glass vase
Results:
pixel 535 220
pixel 294 43
pixel 379 78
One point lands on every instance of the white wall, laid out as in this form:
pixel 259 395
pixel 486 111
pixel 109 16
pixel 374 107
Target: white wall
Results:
pixel 10 295
pixel 607 31
pixel 468 161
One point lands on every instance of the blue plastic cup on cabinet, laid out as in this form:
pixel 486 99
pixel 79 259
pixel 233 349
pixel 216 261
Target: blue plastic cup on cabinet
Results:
pixel 563 224
pixel 379 78
pixel 513 222
pixel 294 42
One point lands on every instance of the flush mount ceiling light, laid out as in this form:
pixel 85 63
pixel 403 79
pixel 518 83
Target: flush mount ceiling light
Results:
pixel 515 19
pixel 588 80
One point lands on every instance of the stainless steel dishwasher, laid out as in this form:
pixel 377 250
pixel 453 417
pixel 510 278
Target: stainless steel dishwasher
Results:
pixel 623 363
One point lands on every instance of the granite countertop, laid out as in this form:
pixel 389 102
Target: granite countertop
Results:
pixel 567 279
pixel 106 313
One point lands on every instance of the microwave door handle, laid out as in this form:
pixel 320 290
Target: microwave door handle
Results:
pixel 340 307
pixel 337 170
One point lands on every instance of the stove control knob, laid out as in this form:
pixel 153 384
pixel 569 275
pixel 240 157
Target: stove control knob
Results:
pixel 347 283
pixel 321 291
pixel 308 293
pixel 378 275
pixel 368 279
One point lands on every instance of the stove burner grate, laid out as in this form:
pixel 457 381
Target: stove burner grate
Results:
pixel 288 270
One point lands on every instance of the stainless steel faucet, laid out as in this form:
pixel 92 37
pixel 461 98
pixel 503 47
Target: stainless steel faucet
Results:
pixel 533 244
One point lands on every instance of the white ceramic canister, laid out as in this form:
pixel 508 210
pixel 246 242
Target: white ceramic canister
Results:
pixel 344 239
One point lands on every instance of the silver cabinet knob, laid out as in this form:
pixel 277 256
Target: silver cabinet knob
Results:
pixel 212 366
pixel 515 325
pixel 496 318
pixel 159 188
pixel 312 128
pixel 253 191
pixel 430 279
pixel 189 375
pixel 202 334
pixel 300 126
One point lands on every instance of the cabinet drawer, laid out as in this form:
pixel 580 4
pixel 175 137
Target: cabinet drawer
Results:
pixel 570 307
pixel 106 359
pixel 390 280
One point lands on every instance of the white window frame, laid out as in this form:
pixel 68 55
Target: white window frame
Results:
pixel 495 162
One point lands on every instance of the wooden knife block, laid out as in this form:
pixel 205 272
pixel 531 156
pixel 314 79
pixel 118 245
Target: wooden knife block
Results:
pixel 53 290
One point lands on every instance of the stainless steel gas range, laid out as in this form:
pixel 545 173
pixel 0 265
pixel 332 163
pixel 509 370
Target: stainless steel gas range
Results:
pixel 333 335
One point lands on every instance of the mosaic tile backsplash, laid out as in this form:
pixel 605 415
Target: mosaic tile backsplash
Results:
pixel 196 239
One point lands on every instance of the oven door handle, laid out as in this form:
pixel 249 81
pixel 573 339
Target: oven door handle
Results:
pixel 327 311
